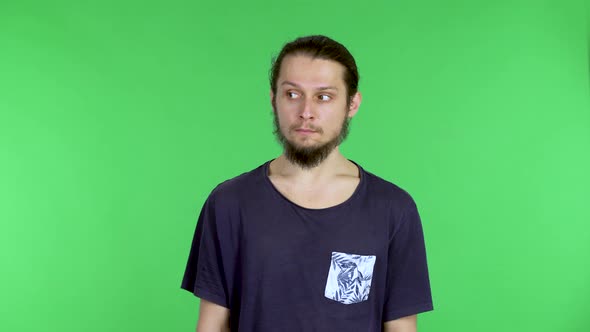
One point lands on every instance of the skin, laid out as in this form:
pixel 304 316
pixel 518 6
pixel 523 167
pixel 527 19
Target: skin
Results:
pixel 212 317
pixel 311 95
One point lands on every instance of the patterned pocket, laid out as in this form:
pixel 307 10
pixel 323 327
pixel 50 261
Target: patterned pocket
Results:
pixel 349 279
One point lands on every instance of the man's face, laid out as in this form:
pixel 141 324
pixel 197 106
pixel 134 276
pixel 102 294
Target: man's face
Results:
pixel 311 114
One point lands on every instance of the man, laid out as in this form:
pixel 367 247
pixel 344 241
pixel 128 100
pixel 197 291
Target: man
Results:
pixel 309 241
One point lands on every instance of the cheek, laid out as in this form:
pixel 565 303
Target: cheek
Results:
pixel 337 118
pixel 282 116
pixel 286 110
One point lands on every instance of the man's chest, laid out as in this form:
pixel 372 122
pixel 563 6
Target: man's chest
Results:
pixel 292 238
pixel 326 262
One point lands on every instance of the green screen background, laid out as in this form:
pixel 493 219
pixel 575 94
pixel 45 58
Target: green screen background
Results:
pixel 117 118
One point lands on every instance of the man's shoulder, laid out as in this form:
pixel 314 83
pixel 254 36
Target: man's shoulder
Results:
pixel 378 186
pixel 241 184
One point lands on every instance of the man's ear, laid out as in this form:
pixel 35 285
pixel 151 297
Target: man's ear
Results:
pixel 272 95
pixel 355 103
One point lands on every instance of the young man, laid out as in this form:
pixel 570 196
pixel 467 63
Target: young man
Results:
pixel 309 241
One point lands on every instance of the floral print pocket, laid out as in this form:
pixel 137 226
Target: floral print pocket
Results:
pixel 349 279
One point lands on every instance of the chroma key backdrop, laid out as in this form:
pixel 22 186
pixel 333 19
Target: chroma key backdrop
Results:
pixel 118 118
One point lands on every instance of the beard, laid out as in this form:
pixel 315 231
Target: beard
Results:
pixel 309 157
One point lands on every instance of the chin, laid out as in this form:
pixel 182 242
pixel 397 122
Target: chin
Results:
pixel 306 144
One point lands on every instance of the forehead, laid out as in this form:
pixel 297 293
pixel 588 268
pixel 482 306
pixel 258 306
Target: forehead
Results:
pixel 309 72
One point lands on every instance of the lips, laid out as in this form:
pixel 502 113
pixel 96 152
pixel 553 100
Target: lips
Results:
pixel 305 129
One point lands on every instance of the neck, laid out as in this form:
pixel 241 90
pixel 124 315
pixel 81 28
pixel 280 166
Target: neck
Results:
pixel 333 165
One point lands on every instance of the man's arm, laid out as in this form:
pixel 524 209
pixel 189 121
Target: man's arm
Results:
pixel 212 317
pixel 404 324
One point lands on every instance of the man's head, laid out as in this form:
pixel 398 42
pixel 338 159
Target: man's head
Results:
pixel 314 95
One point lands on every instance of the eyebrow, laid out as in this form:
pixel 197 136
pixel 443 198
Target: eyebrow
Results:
pixel 320 88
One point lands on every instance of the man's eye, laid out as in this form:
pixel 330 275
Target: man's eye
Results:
pixel 292 95
pixel 325 97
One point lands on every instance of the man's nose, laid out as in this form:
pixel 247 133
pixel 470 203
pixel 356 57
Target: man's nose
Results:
pixel 307 111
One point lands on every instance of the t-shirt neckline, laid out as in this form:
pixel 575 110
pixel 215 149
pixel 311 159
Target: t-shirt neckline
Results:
pixel 343 204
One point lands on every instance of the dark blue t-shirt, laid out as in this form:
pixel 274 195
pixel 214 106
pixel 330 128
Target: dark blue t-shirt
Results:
pixel 281 267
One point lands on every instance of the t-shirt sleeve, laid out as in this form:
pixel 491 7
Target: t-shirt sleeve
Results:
pixel 208 273
pixel 408 285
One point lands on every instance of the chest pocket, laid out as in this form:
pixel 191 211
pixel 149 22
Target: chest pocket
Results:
pixel 349 279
